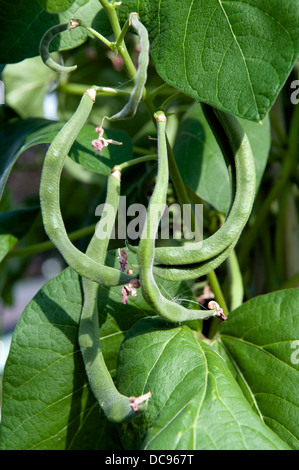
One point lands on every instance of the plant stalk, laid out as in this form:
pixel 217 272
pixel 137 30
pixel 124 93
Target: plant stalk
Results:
pixel 48 245
pixel 287 166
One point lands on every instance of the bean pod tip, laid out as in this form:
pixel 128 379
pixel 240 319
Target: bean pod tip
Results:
pixel 74 23
pixel 92 93
pixel 160 116
pixel 45 43
pixel 116 173
pixel 132 16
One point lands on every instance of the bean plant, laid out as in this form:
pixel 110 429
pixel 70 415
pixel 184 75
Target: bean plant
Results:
pixel 152 342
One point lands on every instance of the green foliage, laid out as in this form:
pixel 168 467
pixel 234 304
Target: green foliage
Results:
pixel 233 55
pixel 54 6
pixel 45 356
pixel 32 132
pixel 198 404
pixel 27 82
pixel 24 27
pixel 258 339
pixel 7 242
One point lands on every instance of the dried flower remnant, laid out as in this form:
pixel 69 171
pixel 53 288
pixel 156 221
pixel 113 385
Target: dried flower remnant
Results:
pixel 99 143
pixel 125 294
pixel 123 259
pixel 126 291
pixel 219 312
pixel 137 403
pixel 130 289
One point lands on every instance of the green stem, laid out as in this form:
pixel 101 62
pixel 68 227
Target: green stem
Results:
pixel 121 37
pixel 79 89
pixel 170 99
pixel 160 90
pixel 48 245
pixel 142 151
pixel 99 36
pixel 110 10
pixel 236 281
pixel 135 161
pixel 121 46
pixel 290 155
pixel 216 289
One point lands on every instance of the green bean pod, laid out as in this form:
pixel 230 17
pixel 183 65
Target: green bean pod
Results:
pixel 240 209
pixel 131 106
pixel 117 407
pixel 45 43
pixel 50 206
pixel 167 309
pixel 188 271
pixel 192 271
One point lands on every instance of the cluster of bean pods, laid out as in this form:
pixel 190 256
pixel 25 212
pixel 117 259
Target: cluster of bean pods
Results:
pixel 173 263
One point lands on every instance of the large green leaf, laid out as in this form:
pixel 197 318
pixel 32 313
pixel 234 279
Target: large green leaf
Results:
pixel 24 24
pixel 196 403
pixel 47 403
pixel 20 135
pixel 26 84
pixel 54 6
pixel 200 160
pixel 235 55
pixel 260 337
pixel 7 242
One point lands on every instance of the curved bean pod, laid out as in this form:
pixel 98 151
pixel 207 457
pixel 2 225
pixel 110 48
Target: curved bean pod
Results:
pixel 242 205
pixel 49 200
pixel 167 309
pixel 45 43
pixel 192 271
pixel 117 407
pixel 130 108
